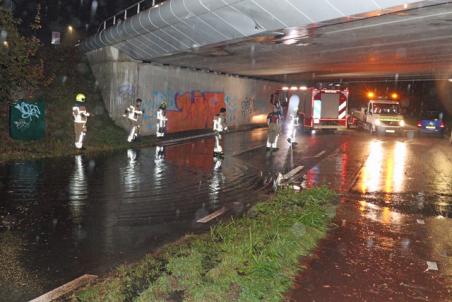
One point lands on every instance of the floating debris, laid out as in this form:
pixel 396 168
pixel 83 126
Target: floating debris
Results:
pixel 212 216
pixel 431 266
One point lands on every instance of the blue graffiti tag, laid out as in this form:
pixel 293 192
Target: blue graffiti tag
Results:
pixel 28 111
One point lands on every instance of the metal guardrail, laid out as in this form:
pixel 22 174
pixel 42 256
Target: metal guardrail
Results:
pixel 130 11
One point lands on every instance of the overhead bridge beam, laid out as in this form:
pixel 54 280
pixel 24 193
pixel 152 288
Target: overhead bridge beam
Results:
pixel 178 26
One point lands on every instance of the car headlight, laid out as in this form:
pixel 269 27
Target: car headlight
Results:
pixel 377 122
pixel 402 123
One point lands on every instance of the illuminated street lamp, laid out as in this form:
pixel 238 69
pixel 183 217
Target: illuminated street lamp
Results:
pixel 394 96
pixel 70 29
pixel 5 43
pixel 370 95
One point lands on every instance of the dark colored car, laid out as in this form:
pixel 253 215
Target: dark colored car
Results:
pixel 431 123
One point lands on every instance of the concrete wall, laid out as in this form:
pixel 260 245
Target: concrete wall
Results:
pixel 193 97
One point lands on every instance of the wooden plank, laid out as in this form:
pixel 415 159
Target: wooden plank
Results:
pixel 320 154
pixel 65 289
pixel 293 172
pixel 212 216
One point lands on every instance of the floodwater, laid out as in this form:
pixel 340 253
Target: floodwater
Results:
pixel 62 218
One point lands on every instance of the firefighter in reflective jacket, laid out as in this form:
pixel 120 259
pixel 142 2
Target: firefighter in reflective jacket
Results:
pixel 219 126
pixel 273 121
pixel 80 119
pixel 292 127
pixel 134 114
pixel 161 120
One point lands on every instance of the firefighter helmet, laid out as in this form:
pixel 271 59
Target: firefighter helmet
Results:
pixel 80 98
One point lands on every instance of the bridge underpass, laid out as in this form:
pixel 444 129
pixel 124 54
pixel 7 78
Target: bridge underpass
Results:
pixel 297 40
pixel 240 52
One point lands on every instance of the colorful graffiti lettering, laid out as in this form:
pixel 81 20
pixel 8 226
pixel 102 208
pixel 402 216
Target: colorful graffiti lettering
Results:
pixel 195 110
pixel 186 111
pixel 151 106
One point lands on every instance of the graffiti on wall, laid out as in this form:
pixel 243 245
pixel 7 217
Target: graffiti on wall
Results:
pixel 125 96
pixel 27 113
pixel 193 110
pixel 232 108
pixel 247 109
pixel 186 111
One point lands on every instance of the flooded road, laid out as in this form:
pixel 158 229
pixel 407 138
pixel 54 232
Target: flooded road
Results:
pixel 62 218
pixel 392 236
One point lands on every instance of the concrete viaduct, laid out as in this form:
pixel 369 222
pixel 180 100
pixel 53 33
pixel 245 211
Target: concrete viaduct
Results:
pixel 201 55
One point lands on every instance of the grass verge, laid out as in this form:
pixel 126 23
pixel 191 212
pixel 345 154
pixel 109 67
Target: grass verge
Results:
pixel 251 258
pixel 59 97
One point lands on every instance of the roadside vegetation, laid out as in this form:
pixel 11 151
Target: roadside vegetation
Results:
pixel 251 258
pixel 54 74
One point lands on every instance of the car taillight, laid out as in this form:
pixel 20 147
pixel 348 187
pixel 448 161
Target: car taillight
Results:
pixel 442 125
pixel 419 124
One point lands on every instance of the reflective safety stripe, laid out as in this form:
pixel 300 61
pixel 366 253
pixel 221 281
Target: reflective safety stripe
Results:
pixel 342 106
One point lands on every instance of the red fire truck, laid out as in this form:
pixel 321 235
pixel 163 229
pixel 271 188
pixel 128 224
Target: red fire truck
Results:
pixel 320 108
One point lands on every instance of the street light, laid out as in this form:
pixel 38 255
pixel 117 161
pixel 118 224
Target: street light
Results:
pixel 5 43
pixel 370 95
pixel 70 28
pixel 394 96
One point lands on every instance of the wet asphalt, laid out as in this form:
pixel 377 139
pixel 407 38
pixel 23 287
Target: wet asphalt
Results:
pixel 395 215
pixel 61 218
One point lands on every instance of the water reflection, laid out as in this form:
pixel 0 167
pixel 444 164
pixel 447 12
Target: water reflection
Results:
pixel 376 213
pixel 78 190
pixel 130 173
pixel 372 168
pixel 400 157
pixel 384 169
pixel 159 169
pixel 216 183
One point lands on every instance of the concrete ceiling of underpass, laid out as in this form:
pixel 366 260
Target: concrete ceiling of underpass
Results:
pixel 415 43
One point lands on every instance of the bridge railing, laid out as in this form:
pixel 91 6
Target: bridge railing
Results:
pixel 128 12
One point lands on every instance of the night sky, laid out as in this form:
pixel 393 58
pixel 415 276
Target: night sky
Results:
pixel 56 15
